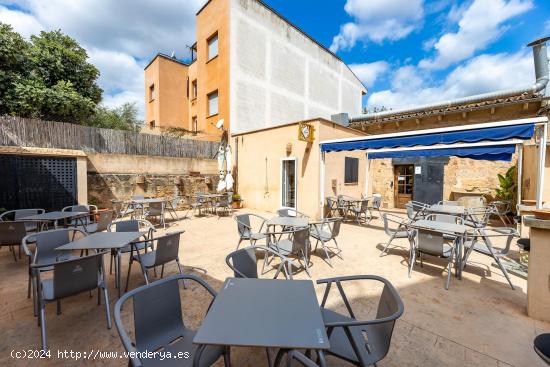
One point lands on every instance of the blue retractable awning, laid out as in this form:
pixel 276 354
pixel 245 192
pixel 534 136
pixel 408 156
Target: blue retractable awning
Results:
pixel 488 153
pixel 500 133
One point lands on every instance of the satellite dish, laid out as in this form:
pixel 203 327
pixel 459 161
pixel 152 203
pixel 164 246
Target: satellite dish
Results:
pixel 219 125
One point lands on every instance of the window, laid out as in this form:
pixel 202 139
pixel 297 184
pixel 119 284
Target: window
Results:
pixel 213 46
pixel 152 124
pixel 213 103
pixel 151 92
pixel 352 170
pixel 195 124
pixel 194 90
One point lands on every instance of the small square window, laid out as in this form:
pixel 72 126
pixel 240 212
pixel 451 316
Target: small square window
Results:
pixel 351 170
pixel 195 124
pixel 213 46
pixel 213 103
pixel 151 92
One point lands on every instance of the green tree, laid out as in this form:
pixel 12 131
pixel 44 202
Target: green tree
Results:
pixel 48 77
pixel 121 118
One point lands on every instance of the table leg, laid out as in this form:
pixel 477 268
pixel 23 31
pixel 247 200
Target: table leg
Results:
pixel 459 257
pixel 118 270
pixel 322 362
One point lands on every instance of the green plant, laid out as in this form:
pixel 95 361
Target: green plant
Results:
pixel 237 198
pixel 507 189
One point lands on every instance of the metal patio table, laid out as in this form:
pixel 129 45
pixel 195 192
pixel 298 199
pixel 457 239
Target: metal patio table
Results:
pixel 140 203
pixel 459 230
pixel 55 217
pixel 209 199
pixel 288 222
pixel 447 209
pixel 266 313
pixel 106 240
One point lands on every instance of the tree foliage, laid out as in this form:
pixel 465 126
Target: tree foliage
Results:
pixel 507 183
pixel 49 77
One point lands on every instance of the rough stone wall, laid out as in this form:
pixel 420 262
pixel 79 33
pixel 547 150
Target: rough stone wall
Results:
pixel 381 171
pixel 102 188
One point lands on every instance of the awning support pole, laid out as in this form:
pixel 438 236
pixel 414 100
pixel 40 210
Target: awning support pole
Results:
pixel 519 168
pixel 367 170
pixel 542 159
pixel 322 182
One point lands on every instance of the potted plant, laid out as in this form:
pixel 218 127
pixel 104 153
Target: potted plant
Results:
pixel 237 200
pixel 508 187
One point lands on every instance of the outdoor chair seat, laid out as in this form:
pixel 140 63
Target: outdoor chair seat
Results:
pixel 283 247
pixel 339 342
pixel 185 344
pixel 139 246
pixel 321 235
pixel 447 251
pixel 147 259
pixel 254 236
pixel 542 347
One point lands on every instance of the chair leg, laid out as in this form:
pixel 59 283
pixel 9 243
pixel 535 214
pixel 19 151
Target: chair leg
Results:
pixel 227 357
pixel 503 269
pixel 42 320
pixel 238 244
pixel 162 271
pixel 412 259
pixel 128 276
pixel 449 271
pixel 144 271
pixel 14 254
pixel 107 307
pixel 181 272
pixel 388 244
pixel 329 261
pixel 111 265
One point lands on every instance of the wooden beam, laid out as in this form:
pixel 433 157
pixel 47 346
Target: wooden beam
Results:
pixel 464 114
pixel 492 110
pixel 526 106
pixel 397 123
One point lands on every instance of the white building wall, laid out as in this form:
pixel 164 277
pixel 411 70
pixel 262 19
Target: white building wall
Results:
pixel 278 75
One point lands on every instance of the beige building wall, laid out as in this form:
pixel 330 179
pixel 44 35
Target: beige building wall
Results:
pixel 260 154
pixel 530 173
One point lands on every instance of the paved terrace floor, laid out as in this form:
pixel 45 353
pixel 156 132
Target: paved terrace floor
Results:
pixel 479 321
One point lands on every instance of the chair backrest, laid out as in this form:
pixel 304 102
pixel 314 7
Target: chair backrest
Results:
pixel 389 305
pixel 447 218
pixel 390 218
pixel 48 241
pixel 411 214
pixel 243 262
pixel 364 205
pixel 449 202
pixel 243 224
pixel 77 275
pixel 289 212
pixel 300 237
pixel 11 233
pixel 167 248
pixel 157 207
pixel 331 202
pixel 431 242
pixel 376 201
pixel 138 197
pixel 105 218
pixel 19 213
pixel 76 208
pixel 131 225
pixel 509 233
pixel 336 223
pixel 175 201
pixel 157 315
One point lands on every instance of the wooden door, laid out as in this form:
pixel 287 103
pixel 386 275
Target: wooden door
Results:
pixel 403 185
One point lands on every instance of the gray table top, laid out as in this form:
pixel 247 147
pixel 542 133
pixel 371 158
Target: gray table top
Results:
pixel 447 209
pixel 51 216
pixel 271 313
pixel 288 221
pixel 102 240
pixel 441 226
pixel 147 201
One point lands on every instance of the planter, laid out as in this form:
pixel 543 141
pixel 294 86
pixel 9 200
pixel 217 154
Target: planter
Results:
pixel 236 205
pixel 95 213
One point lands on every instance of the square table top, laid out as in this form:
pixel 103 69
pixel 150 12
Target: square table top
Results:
pixel 442 226
pixel 147 201
pixel 52 216
pixel 102 240
pixel 271 313
pixel 447 209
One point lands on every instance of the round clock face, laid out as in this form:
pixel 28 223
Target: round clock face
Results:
pixel 305 131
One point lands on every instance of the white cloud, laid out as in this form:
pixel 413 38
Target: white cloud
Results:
pixel 479 24
pixel 369 72
pixel 485 73
pixel 24 24
pixel 119 35
pixel 378 20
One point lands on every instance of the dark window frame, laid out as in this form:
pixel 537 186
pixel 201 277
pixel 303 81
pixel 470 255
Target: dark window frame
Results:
pixel 351 170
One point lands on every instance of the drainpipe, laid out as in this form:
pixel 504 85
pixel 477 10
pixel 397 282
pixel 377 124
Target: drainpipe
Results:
pixel 540 59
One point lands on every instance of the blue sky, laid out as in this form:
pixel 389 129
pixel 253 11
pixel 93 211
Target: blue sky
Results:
pixel 407 52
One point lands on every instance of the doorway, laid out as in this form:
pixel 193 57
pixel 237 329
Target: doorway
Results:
pixel 288 183
pixel 403 184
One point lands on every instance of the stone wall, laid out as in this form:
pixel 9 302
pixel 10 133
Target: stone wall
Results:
pixel 102 188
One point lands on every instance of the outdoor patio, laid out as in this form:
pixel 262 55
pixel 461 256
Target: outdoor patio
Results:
pixel 479 321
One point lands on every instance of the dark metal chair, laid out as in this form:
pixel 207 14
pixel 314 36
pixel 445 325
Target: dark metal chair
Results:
pixel 157 210
pixel 18 214
pixel 400 230
pixel 132 225
pixel 244 262
pixel 224 203
pixel 325 231
pixel 11 234
pixel 347 333
pixel 362 212
pixel 296 244
pixel 44 252
pixel 246 232
pixel 105 218
pixel 165 251
pixel 332 206
pixel 71 277
pixel 376 202
pixel 121 209
pixel 158 324
pixel 541 344
pixel 295 356
pixel 289 212
pixel 481 243
pixel 428 242
pixel 446 218
pixel 416 210
pixel 173 207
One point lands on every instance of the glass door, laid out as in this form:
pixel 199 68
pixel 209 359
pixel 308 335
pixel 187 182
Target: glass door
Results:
pixel 288 183
pixel 403 185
